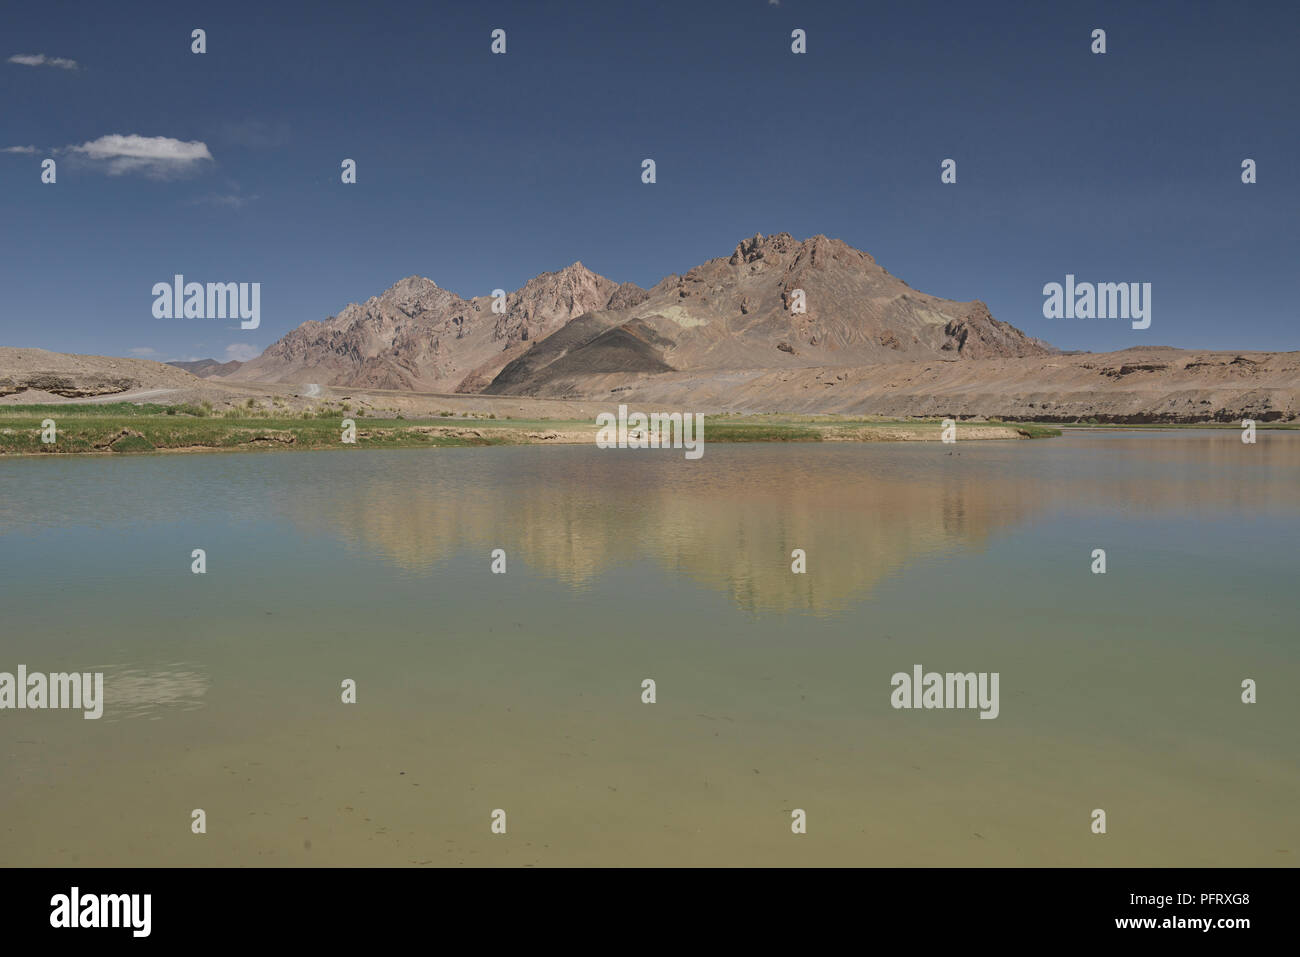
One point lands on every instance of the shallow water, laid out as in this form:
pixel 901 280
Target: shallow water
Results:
pixel 522 691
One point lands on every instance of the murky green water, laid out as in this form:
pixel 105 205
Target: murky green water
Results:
pixel 523 691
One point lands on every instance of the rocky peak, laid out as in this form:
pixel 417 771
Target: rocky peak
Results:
pixel 415 295
pixel 759 246
pixel 412 287
pixel 572 288
pixel 551 299
pixel 816 251
pixel 627 295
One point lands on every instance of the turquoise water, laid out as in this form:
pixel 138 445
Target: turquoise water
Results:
pixel 522 691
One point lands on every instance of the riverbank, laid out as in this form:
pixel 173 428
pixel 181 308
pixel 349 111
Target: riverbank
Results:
pixel 125 428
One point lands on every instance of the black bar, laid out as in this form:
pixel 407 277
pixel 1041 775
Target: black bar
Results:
pixel 616 908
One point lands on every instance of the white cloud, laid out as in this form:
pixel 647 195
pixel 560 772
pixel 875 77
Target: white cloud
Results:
pixel 242 352
pixel 18 149
pixel 40 59
pixel 233 200
pixel 158 156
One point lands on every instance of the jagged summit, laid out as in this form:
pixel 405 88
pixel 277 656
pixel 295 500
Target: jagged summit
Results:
pixel 779 245
pixel 412 282
pixel 411 287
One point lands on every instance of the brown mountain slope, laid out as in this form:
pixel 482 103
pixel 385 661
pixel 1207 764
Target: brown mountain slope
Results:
pixel 417 336
pixel 1144 384
pixel 203 368
pixel 741 312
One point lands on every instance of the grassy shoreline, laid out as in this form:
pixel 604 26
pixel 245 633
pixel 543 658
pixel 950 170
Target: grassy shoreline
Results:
pixel 126 428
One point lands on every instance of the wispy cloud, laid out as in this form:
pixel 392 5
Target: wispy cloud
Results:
pixel 18 149
pixel 158 156
pixel 40 59
pixel 235 200
pixel 242 352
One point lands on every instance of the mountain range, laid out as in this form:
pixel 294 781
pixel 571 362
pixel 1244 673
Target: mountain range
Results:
pixel 774 303
pixel 417 336
pixel 778 325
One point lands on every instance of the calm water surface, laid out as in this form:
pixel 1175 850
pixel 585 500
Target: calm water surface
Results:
pixel 523 691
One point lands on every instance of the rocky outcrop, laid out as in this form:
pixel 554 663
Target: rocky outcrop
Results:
pixel 76 376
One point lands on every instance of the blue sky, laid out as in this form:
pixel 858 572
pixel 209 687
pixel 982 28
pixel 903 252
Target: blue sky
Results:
pixel 481 171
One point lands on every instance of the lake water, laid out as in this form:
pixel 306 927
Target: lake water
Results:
pixel 522 692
